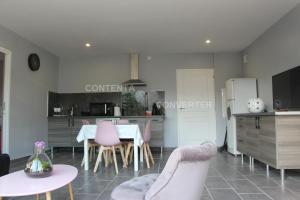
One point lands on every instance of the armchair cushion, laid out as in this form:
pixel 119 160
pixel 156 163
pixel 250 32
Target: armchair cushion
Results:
pixel 135 188
pixel 183 177
pixel 4 164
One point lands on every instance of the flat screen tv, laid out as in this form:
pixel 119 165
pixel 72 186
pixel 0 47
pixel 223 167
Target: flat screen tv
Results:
pixel 286 90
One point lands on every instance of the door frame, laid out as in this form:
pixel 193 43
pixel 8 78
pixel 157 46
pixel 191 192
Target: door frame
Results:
pixel 213 102
pixel 6 99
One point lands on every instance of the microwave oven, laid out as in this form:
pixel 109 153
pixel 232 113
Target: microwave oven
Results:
pixel 102 109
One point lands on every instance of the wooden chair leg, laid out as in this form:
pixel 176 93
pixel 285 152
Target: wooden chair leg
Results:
pixel 110 156
pixel 150 154
pixel 99 158
pixel 71 191
pixel 146 155
pixel 115 159
pixel 48 195
pixel 105 156
pixel 122 156
pixel 131 155
pixel 82 162
pixel 91 153
pixel 127 152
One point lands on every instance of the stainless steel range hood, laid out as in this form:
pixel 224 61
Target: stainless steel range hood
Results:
pixel 134 72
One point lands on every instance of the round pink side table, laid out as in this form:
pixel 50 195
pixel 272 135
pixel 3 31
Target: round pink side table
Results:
pixel 19 184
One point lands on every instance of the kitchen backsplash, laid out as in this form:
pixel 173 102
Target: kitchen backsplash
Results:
pixel 132 103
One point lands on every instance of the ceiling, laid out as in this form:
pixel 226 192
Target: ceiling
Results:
pixel 148 26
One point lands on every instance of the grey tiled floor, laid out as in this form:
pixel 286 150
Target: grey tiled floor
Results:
pixel 228 179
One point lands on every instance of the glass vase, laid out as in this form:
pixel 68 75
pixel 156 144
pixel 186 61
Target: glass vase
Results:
pixel 39 164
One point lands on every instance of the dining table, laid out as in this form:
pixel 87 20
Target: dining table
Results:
pixel 125 131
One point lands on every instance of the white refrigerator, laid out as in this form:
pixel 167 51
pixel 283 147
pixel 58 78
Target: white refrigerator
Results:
pixel 238 92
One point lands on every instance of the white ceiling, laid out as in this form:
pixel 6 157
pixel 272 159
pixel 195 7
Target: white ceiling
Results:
pixel 147 26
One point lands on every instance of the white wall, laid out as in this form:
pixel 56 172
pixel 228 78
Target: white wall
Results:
pixel 275 51
pixel 28 121
pixel 159 74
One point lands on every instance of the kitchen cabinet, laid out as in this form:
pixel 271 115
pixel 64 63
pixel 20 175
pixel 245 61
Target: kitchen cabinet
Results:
pixel 59 132
pixel 62 131
pixel 271 139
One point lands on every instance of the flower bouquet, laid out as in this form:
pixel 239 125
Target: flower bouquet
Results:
pixel 39 164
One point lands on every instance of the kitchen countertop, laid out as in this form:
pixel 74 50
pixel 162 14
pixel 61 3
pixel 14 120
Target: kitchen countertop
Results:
pixel 256 114
pixel 87 117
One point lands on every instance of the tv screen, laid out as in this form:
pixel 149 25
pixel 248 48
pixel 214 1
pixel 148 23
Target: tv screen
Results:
pixel 286 90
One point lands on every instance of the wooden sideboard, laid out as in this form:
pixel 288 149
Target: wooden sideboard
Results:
pixel 271 139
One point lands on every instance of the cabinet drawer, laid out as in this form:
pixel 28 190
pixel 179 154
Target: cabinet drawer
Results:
pixel 61 131
pixel 77 122
pixel 267 153
pixel 156 143
pixel 58 123
pixel 59 140
pixel 267 127
pixel 242 146
pixel 157 126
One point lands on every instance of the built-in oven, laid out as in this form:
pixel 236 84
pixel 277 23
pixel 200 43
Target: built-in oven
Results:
pixel 102 109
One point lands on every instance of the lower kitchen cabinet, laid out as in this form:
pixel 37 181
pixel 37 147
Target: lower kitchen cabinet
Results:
pixel 271 139
pixel 59 132
pixel 62 131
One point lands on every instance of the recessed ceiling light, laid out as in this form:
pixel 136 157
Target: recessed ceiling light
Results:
pixel 207 41
pixel 87 45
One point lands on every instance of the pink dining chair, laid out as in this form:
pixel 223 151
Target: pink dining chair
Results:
pixel 108 140
pixel 91 144
pixel 145 146
pixel 183 177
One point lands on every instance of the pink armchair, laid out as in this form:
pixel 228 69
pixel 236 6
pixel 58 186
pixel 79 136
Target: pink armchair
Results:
pixel 182 178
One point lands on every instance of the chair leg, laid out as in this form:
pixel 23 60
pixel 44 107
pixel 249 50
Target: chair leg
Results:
pixel 127 152
pixel 91 153
pixel 146 155
pixel 109 156
pixel 131 155
pixel 105 155
pixel 115 159
pixel 99 158
pixel 82 162
pixel 122 156
pixel 150 154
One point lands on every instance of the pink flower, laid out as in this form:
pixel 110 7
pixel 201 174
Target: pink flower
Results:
pixel 40 144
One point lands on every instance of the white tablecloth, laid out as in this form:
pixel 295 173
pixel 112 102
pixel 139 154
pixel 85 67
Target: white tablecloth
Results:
pixel 130 131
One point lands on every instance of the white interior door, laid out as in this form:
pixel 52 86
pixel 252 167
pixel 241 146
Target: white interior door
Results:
pixel 196 106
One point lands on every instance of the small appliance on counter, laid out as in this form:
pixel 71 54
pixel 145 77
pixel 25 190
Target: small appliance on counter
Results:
pixel 58 111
